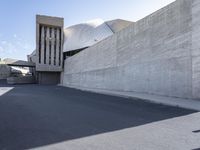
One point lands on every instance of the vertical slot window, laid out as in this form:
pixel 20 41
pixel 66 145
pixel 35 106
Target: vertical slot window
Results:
pixel 55 42
pixel 60 46
pixel 45 41
pixel 40 42
pixel 50 31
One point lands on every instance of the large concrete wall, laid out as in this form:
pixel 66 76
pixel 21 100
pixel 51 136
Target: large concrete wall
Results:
pixel 159 54
pixel 195 51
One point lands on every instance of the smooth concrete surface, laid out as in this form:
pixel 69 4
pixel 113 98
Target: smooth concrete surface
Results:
pixel 33 116
pixel 181 133
pixel 49 78
pixel 195 47
pixel 50 20
pixel 156 55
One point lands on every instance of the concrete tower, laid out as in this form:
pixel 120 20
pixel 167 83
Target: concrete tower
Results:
pixel 49 49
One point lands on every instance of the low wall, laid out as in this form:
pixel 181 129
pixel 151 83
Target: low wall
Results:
pixel 159 54
pixel 21 80
pixel 4 71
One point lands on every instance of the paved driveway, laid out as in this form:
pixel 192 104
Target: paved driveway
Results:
pixel 33 116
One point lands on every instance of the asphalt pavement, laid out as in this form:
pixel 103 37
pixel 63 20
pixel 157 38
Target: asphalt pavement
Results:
pixel 32 116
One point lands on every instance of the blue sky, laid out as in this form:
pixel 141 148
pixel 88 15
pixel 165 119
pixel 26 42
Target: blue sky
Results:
pixel 17 24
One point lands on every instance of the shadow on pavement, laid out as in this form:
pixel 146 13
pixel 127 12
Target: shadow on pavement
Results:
pixel 33 115
pixel 3 83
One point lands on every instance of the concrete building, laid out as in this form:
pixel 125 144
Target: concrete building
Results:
pixel 85 35
pixel 49 49
pixel 54 43
pixel 5 71
pixel 159 54
pixel 17 71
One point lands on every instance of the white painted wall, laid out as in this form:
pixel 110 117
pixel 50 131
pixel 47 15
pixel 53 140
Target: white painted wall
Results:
pixel 158 55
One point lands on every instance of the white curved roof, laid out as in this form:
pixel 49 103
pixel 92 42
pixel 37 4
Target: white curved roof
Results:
pixel 85 34
pixel 118 24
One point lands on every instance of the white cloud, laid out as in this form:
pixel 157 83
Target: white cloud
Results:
pixel 15 35
pixel 3 42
